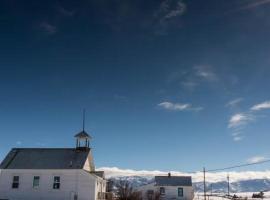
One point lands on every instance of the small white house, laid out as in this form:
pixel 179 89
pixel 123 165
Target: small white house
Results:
pixel 52 173
pixel 168 187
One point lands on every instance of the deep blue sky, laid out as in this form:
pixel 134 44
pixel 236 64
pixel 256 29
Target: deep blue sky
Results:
pixel 167 85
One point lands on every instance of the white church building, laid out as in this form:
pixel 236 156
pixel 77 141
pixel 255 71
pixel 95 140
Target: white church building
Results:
pixel 52 173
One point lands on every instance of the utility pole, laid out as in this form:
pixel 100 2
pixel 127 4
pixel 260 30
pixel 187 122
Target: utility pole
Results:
pixel 228 178
pixel 204 184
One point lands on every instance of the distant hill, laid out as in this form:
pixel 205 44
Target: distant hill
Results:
pixel 253 185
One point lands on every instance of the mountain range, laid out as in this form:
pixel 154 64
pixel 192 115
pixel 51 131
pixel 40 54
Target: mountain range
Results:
pixel 253 185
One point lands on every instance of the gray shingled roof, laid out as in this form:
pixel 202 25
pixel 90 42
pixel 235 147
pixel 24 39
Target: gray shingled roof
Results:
pixel 173 180
pixel 45 158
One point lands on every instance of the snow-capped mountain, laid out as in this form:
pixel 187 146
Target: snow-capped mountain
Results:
pixel 254 185
pixel 243 181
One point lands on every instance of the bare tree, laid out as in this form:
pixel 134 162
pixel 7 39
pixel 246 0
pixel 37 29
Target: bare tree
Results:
pixel 156 195
pixel 153 195
pixel 125 191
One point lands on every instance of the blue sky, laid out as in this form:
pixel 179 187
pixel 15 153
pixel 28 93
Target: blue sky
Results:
pixel 167 85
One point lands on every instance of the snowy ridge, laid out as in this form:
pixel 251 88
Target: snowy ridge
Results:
pixel 247 181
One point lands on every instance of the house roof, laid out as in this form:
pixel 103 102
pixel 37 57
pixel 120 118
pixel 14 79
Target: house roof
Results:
pixel 82 134
pixel 45 158
pixel 99 173
pixel 173 180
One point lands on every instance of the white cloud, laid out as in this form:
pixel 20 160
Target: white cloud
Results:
pixel 169 11
pixel 66 12
pixel 196 177
pixel 252 5
pixel 48 28
pixel 237 138
pixel 239 119
pixel 194 77
pixel 178 10
pixel 178 106
pixel 205 72
pixel 174 106
pixel 237 135
pixel 234 102
pixel 171 8
pixel 256 159
pixel 19 143
pixel 189 84
pixel 261 106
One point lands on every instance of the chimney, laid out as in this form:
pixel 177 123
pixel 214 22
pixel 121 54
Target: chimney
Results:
pixel 169 174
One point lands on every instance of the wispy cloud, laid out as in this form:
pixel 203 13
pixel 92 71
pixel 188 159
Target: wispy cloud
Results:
pixel 237 138
pixel 256 159
pixel 168 11
pixel 253 4
pixel 119 97
pixel 48 28
pixel 66 12
pixel 237 135
pixel 247 5
pixel 238 122
pixel 205 72
pixel 234 102
pixel 195 76
pixel 196 177
pixel 178 106
pixel 261 106
pixel 18 143
pixel 240 119
pixel 173 8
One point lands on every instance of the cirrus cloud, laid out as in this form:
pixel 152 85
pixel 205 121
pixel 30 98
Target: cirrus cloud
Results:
pixel 240 119
pixel 256 159
pixel 261 106
pixel 178 106
pixel 234 102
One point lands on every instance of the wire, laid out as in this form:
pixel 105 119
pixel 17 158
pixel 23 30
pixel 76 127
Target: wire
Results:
pixel 232 167
pixel 238 166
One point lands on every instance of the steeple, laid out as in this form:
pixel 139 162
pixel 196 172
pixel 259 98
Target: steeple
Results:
pixel 82 138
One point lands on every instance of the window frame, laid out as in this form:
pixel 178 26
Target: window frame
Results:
pixel 56 182
pixel 180 194
pixel 15 183
pixel 38 182
pixel 162 191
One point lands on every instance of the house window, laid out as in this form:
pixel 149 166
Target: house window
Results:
pixel 36 181
pixel 56 182
pixel 162 191
pixel 15 182
pixel 180 192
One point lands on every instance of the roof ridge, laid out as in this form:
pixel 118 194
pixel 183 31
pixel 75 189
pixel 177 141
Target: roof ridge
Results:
pixel 44 158
pixel 37 148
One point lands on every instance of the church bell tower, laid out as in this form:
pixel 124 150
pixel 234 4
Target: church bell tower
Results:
pixel 83 138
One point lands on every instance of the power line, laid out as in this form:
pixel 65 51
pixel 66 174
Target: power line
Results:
pixel 238 166
pixel 232 167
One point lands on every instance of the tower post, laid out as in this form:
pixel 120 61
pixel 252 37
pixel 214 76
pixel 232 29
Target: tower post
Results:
pixel 204 184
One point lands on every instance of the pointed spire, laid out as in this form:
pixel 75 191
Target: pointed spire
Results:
pixel 83 133
pixel 83 119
